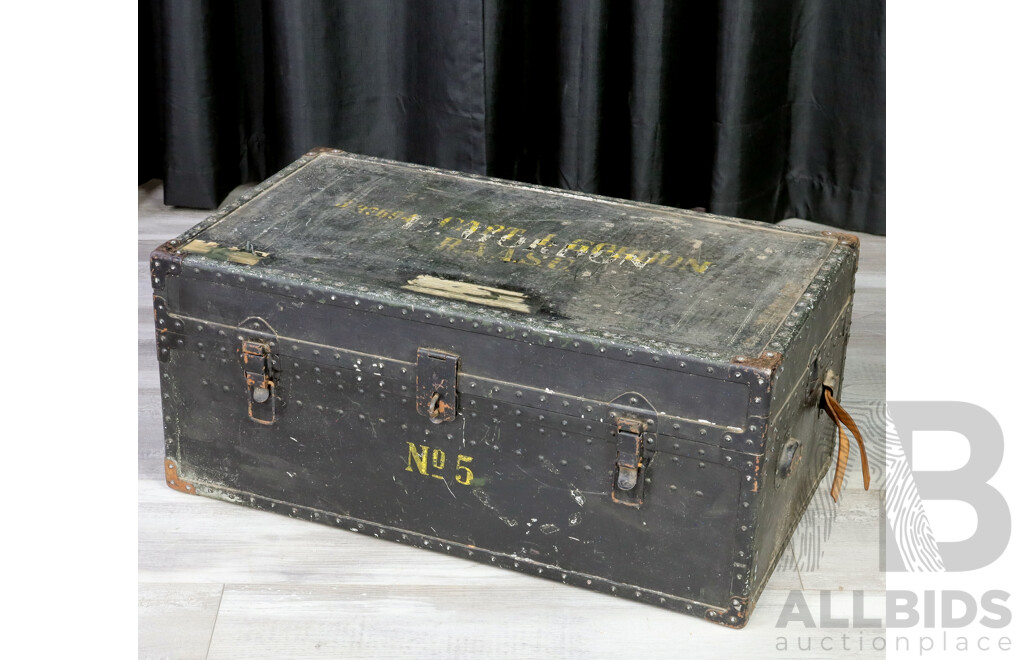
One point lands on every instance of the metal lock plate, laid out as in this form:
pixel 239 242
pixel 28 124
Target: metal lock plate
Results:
pixel 628 487
pixel 257 367
pixel 436 385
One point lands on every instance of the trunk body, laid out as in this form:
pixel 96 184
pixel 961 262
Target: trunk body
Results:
pixel 614 395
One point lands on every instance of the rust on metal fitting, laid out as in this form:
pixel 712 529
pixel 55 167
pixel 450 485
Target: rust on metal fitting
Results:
pixel 844 239
pixel 737 616
pixel 768 360
pixel 316 151
pixel 164 262
pixel 174 481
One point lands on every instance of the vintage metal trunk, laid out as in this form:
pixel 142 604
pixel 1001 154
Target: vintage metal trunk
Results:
pixel 615 395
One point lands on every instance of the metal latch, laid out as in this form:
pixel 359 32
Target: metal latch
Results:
pixel 628 488
pixel 256 364
pixel 436 384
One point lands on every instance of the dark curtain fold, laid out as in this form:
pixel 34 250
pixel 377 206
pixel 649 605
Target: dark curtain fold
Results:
pixel 760 110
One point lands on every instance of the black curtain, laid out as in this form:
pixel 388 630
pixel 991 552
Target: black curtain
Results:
pixel 760 109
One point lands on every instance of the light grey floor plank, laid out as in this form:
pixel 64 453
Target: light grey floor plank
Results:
pixel 296 589
pixel 176 620
pixel 528 621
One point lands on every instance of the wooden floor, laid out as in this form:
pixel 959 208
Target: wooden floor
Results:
pixel 218 580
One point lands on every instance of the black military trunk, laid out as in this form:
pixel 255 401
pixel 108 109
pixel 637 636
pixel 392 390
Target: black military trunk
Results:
pixel 615 395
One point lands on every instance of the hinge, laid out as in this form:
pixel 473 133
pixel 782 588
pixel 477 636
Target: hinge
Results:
pixel 628 487
pixel 257 366
pixel 437 394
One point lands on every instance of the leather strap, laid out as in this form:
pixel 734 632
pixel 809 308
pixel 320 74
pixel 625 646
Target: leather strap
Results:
pixel 842 418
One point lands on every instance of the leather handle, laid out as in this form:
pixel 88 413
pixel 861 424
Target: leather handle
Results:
pixel 842 418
